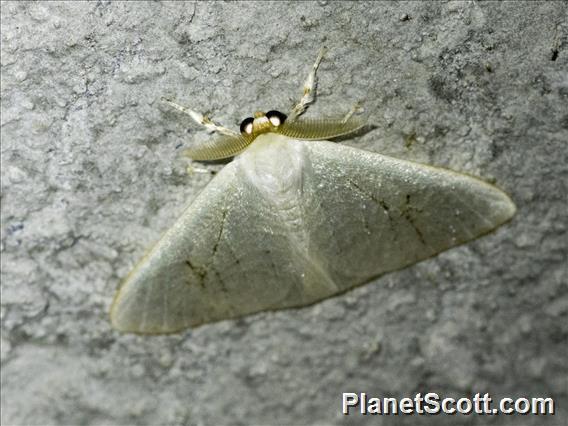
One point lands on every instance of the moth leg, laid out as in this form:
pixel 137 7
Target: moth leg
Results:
pixel 201 119
pixel 356 108
pixel 310 86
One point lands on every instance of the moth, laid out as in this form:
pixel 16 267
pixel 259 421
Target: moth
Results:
pixel 295 219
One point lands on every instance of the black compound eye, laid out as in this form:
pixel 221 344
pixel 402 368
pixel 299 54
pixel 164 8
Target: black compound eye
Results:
pixel 246 125
pixel 276 117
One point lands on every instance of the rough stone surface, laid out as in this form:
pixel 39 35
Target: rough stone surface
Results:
pixel 91 175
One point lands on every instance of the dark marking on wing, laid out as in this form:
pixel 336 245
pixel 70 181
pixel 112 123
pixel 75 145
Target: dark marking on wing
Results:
pixel 200 271
pixel 220 278
pixel 272 265
pixel 407 213
pixel 380 203
pixel 223 219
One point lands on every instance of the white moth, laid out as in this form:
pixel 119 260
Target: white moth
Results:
pixel 295 219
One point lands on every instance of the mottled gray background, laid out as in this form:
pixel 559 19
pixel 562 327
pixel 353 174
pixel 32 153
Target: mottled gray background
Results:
pixel 92 175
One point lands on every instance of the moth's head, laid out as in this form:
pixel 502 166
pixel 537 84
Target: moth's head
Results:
pixel 262 123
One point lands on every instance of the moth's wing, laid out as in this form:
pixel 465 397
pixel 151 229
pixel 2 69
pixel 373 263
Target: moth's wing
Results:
pixel 289 223
pixel 218 147
pixel 176 284
pixel 227 255
pixel 319 128
pixel 369 214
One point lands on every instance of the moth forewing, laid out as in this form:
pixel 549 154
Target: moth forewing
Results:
pixel 320 128
pixel 218 147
